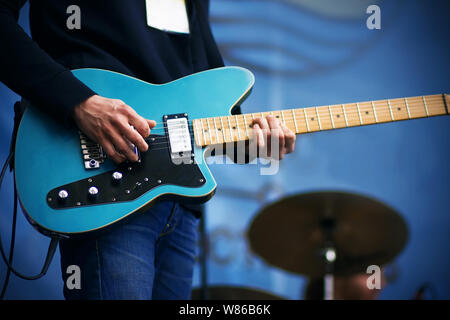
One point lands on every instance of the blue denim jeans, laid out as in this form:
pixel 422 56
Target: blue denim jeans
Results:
pixel 150 256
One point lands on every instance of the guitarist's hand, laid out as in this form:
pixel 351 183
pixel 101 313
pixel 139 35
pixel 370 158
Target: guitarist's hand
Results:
pixel 268 128
pixel 108 122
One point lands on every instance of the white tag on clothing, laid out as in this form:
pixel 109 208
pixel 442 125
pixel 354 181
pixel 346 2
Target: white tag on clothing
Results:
pixel 167 15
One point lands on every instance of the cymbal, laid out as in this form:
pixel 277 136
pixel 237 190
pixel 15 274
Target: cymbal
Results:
pixel 292 233
pixel 234 293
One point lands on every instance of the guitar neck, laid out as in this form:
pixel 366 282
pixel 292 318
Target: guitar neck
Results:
pixel 219 130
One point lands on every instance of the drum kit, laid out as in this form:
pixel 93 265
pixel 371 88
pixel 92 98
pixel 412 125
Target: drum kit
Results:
pixel 322 235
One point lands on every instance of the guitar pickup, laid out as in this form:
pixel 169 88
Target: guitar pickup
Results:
pixel 179 138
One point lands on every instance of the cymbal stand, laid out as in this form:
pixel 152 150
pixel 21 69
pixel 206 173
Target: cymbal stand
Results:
pixel 328 225
pixel 328 284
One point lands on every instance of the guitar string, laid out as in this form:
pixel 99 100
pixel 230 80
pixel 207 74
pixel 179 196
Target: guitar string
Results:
pixel 414 106
pixel 221 142
pixel 391 101
pixel 350 115
pixel 411 106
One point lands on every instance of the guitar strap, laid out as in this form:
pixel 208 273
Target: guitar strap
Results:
pixel 19 109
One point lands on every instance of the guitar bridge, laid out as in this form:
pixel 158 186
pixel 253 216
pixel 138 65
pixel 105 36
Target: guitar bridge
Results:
pixel 92 153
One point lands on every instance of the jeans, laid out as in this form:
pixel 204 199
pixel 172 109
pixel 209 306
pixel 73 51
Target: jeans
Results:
pixel 150 256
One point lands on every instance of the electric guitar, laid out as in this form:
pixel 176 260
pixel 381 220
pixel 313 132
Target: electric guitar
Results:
pixel 67 185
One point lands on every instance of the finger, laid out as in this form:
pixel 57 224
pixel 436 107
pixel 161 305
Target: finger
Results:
pixel 133 136
pixel 289 137
pixel 112 153
pixel 263 127
pixel 273 122
pixel 259 136
pixel 139 123
pixel 263 124
pixel 151 123
pixel 277 133
pixel 121 145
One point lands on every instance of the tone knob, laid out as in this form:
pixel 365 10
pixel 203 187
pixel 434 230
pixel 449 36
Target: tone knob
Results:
pixel 93 191
pixel 63 194
pixel 117 176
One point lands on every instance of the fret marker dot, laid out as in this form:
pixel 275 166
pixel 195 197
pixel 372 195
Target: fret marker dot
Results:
pixel 367 112
pixel 399 109
pixel 337 116
pixel 312 118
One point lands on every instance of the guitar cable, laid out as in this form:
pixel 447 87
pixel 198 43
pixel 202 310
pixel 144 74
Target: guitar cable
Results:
pixel 8 261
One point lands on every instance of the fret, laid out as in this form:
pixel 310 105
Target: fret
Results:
pixel 446 99
pixel 436 105
pixel 325 118
pixel 382 111
pixel 338 116
pixel 198 134
pixel 367 113
pixel 253 119
pixel 231 130
pixel 359 114
pixel 204 132
pixel 237 126
pixel 390 109
pixel 246 127
pixel 209 130
pixel 301 121
pixel 312 119
pixel 351 112
pixel 223 130
pixel 280 115
pixel 407 108
pixel 331 117
pixel 306 119
pixel 318 119
pixel 399 110
pixel 275 114
pixel 345 116
pixel 217 131
pixel 416 107
pixel 374 112
pixel 426 107
pixel 295 121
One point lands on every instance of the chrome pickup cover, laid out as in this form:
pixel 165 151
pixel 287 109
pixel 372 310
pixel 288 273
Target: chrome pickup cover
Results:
pixel 179 137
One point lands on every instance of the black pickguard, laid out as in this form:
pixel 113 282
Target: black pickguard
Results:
pixel 156 168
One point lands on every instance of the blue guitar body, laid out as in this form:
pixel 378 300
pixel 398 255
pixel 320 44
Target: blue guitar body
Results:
pixel 48 155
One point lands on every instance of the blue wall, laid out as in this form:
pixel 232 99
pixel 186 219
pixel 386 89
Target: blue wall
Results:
pixel 310 53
